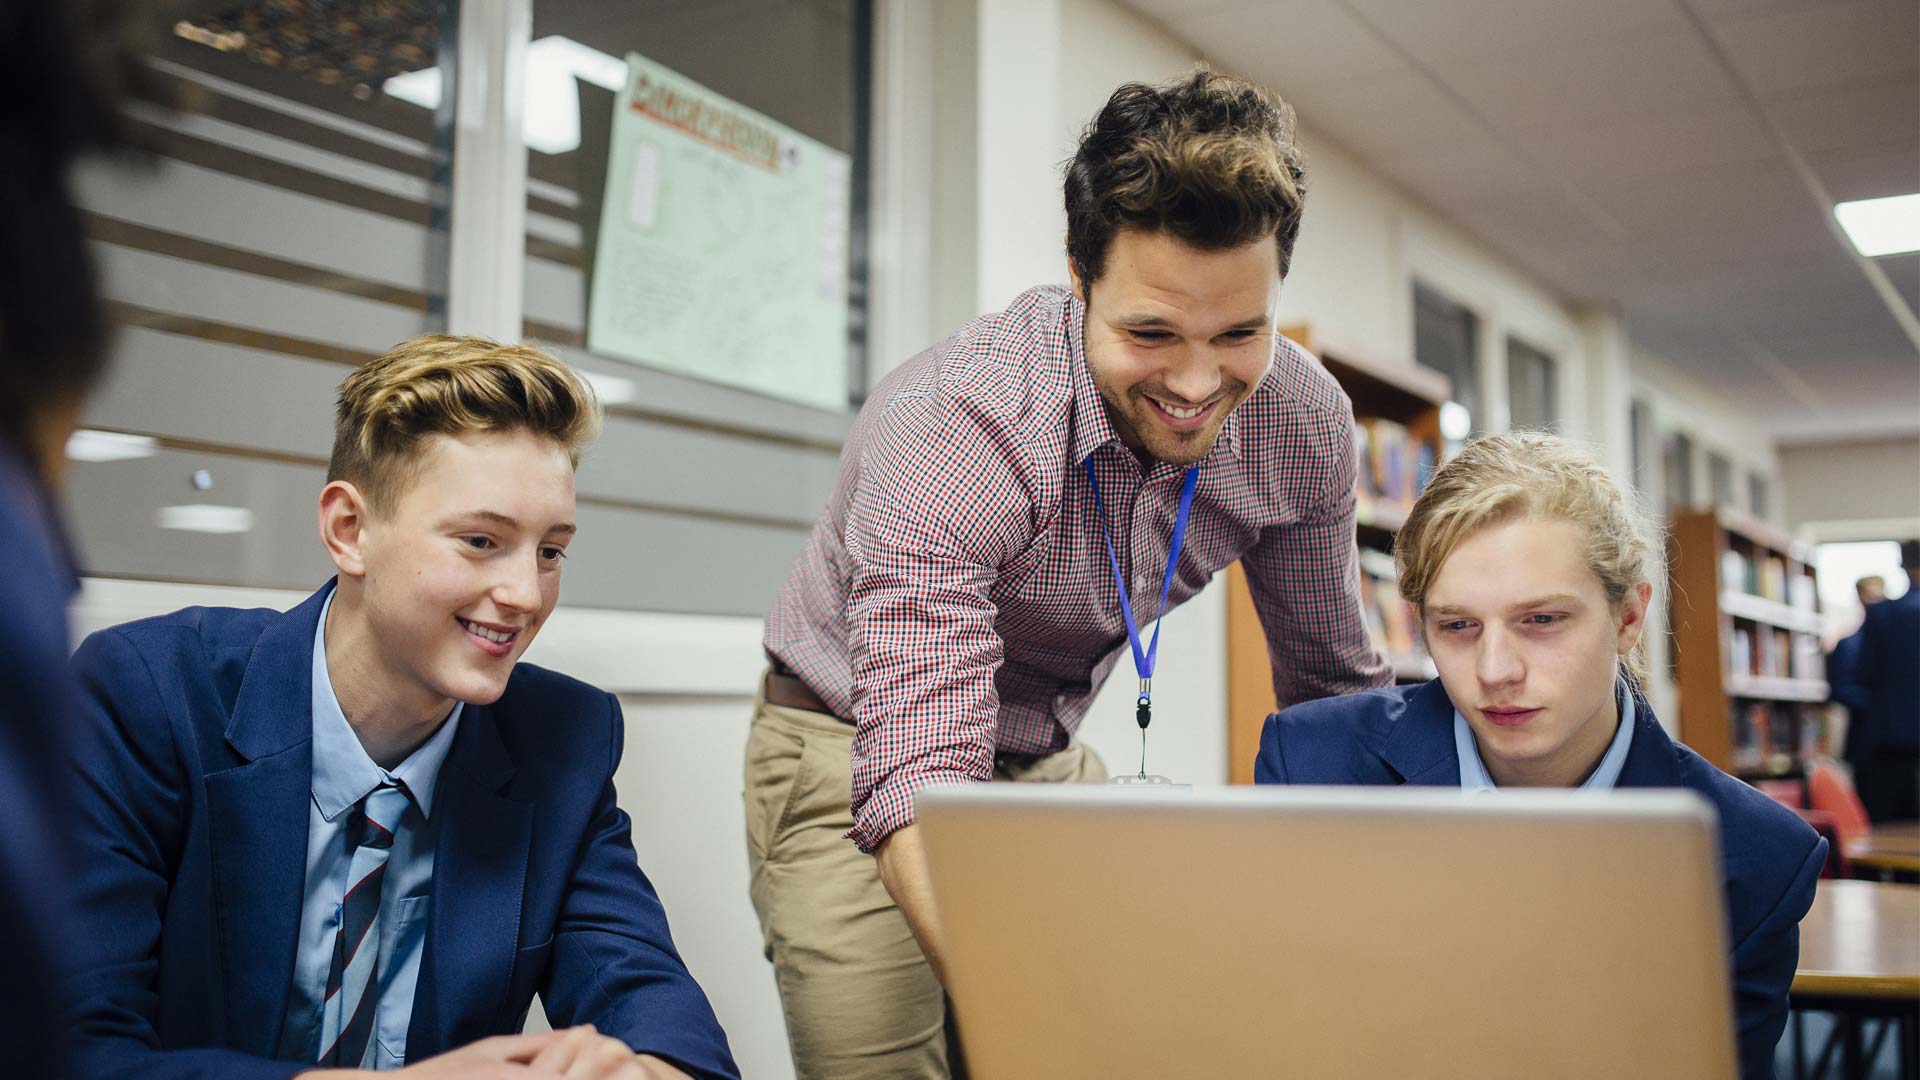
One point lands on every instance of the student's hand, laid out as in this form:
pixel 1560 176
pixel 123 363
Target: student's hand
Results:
pixel 582 1053
pixel 503 1057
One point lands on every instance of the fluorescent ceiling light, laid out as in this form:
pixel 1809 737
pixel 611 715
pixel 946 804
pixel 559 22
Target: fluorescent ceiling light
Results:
pixel 552 105
pixel 86 444
pixel 1889 226
pixel 205 518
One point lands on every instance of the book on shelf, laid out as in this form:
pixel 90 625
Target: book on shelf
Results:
pixel 1801 592
pixel 1393 465
pixel 1390 619
pixel 1773 738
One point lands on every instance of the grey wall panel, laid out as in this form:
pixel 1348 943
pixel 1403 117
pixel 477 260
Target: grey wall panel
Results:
pixel 556 294
pixel 656 463
pixel 114 507
pixel 666 562
pixel 207 391
pixel 200 291
pixel 622 558
pixel 701 402
pixel 193 201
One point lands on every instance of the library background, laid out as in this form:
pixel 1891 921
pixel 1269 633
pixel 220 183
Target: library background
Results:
pixel 1616 222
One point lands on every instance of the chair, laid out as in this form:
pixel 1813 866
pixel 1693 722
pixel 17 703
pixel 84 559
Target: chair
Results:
pixel 1831 792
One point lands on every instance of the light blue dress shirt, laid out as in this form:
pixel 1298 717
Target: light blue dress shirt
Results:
pixel 343 774
pixel 1473 771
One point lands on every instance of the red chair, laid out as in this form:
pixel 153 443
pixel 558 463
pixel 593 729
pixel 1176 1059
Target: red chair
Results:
pixel 1831 792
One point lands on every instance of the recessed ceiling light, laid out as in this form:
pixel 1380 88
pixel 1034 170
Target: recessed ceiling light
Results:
pixel 86 444
pixel 205 518
pixel 1889 226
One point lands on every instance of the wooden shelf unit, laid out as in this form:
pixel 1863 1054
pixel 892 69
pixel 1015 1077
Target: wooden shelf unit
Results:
pixel 1746 634
pixel 1401 394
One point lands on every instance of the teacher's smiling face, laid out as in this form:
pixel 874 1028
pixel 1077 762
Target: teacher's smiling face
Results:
pixel 1177 337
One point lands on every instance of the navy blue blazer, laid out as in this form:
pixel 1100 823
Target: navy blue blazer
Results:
pixel 1771 858
pixel 36 581
pixel 1889 671
pixel 194 781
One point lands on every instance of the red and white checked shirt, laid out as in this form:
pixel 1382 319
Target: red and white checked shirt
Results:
pixel 955 600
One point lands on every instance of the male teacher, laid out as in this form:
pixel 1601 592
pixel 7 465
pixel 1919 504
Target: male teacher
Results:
pixel 1011 505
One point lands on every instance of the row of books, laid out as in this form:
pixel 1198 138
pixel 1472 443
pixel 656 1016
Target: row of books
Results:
pixel 1770 736
pixel 1776 653
pixel 1767 576
pixel 1390 620
pixel 1394 465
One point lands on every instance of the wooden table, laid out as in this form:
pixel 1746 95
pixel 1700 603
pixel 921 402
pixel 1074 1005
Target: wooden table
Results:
pixel 1860 958
pixel 1889 847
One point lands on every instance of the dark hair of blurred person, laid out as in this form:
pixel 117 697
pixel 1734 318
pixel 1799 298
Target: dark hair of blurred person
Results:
pixel 63 67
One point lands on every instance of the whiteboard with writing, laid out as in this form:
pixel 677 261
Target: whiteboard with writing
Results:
pixel 723 244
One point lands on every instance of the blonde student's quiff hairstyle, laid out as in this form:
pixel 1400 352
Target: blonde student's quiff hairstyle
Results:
pixel 443 384
pixel 1526 475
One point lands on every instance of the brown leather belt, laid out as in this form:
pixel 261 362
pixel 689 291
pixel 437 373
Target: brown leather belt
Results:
pixel 787 691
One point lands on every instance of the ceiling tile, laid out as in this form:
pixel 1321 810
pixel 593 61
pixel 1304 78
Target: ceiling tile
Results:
pixel 1677 142
pixel 1588 84
pixel 1848 178
pixel 1480 27
pixel 1385 115
pixel 1882 116
pixel 1292 44
pixel 1835 43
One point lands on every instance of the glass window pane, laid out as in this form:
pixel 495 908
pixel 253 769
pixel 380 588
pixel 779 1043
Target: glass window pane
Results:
pixel 1757 495
pixel 1678 461
pixel 695 242
pixel 1720 475
pixel 1531 395
pixel 286 235
pixel 1446 338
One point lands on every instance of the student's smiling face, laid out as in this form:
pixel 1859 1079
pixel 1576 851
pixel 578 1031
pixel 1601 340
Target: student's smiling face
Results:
pixel 464 570
pixel 1176 337
pixel 1529 648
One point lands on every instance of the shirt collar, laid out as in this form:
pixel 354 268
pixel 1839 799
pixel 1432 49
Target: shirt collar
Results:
pixel 343 774
pixel 1473 771
pixel 1092 427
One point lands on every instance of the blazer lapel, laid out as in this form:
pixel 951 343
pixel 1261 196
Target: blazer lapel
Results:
pixel 1420 749
pixel 1651 760
pixel 257 821
pixel 479 876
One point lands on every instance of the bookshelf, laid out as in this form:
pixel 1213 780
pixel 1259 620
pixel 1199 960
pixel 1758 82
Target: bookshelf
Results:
pixel 1396 410
pixel 1746 634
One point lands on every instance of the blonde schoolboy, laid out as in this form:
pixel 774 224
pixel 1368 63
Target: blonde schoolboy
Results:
pixel 361 834
pixel 1529 570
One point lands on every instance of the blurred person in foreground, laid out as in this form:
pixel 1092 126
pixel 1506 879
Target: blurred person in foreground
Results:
pixel 1528 570
pixel 1888 674
pixel 62 69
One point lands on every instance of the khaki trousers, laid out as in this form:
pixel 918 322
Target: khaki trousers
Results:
pixel 859 998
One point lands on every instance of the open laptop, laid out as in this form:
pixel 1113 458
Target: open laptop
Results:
pixel 1331 932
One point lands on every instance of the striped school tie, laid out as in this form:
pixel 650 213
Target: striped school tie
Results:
pixel 346 1020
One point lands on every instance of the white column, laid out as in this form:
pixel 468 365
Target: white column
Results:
pixel 900 248
pixel 1021 224
pixel 1607 389
pixel 489 216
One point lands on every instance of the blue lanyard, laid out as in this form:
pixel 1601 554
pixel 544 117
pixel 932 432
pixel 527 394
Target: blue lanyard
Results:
pixel 1143 660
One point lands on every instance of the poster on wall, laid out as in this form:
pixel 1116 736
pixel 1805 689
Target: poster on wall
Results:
pixel 723 244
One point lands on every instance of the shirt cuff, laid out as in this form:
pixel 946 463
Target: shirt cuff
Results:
pixel 890 807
